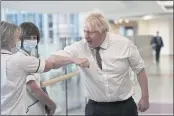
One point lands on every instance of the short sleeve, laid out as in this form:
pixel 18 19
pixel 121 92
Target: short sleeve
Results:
pixel 31 64
pixel 134 58
pixel 30 78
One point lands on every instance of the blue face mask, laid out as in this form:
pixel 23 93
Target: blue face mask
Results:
pixel 29 45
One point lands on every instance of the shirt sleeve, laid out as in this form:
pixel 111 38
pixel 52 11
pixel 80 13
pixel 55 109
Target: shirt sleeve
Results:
pixel 30 78
pixel 31 64
pixel 69 51
pixel 135 60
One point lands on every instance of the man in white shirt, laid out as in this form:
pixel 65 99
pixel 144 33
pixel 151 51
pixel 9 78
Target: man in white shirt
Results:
pixel 107 81
pixel 16 67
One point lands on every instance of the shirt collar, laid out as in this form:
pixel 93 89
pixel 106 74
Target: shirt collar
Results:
pixel 3 51
pixel 104 45
pixel 24 52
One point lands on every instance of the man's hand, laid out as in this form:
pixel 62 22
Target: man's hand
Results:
pixel 143 104
pixel 83 62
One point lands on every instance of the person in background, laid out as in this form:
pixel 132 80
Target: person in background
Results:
pixel 36 98
pixel 157 43
pixel 108 86
pixel 16 67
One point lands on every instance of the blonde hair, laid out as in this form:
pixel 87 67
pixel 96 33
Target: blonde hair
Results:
pixel 8 31
pixel 97 21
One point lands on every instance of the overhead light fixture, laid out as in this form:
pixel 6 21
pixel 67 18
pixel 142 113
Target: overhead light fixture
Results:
pixel 120 21
pixel 147 17
pixel 165 4
pixel 116 22
pixel 127 21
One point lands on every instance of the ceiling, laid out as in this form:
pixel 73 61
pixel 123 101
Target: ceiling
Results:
pixel 112 9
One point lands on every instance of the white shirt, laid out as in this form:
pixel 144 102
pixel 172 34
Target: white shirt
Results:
pixel 36 108
pixel 16 67
pixel 112 83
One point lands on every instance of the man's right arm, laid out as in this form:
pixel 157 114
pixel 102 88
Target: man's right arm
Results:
pixel 58 61
pixel 71 51
pixel 61 58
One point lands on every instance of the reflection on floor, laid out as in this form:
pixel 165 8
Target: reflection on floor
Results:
pixel 160 78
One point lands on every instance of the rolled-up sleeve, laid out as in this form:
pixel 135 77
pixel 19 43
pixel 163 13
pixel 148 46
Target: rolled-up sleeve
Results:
pixel 134 58
pixel 69 51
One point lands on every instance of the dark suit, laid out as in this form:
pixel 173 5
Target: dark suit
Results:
pixel 157 40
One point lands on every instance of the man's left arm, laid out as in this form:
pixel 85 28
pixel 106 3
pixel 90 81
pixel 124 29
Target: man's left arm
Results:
pixel 162 44
pixel 143 104
pixel 137 65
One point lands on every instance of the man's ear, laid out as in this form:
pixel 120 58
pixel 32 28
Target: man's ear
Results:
pixel 104 34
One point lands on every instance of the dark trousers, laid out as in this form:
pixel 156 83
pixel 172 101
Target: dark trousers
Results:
pixel 120 108
pixel 158 49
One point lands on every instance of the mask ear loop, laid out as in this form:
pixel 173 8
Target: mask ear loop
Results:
pixel 37 51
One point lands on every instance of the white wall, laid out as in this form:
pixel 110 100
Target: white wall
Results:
pixel 171 35
pixel 82 17
pixel 165 28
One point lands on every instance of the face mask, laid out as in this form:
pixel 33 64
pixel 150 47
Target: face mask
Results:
pixel 29 45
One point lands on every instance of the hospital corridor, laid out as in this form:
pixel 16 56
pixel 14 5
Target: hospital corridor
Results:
pixel 87 58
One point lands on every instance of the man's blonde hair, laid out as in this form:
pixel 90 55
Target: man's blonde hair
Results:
pixel 97 21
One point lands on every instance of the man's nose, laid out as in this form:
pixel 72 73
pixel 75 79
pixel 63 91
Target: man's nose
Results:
pixel 86 35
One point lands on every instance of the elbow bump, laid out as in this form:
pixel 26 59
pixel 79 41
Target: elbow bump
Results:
pixel 48 65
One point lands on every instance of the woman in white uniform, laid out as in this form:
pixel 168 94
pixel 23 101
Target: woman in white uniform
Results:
pixel 16 67
pixel 36 98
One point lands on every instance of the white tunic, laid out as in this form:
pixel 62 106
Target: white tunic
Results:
pixel 34 106
pixel 14 70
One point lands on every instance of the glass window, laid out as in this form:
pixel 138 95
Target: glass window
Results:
pixel 47 46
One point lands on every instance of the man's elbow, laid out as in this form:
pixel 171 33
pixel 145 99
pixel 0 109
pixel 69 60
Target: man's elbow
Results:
pixel 142 73
pixel 48 65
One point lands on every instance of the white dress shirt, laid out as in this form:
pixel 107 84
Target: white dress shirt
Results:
pixel 112 83
pixel 16 67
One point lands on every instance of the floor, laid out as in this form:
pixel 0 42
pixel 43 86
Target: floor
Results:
pixel 160 77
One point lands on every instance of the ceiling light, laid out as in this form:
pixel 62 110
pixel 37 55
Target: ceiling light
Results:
pixel 116 22
pixel 127 21
pixel 120 21
pixel 147 17
pixel 165 2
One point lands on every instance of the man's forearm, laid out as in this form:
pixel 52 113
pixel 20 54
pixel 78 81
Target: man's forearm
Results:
pixel 142 79
pixel 59 61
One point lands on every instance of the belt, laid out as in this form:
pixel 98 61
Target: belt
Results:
pixel 104 103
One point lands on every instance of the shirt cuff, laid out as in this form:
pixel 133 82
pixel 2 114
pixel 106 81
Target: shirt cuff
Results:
pixel 139 69
pixel 30 78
